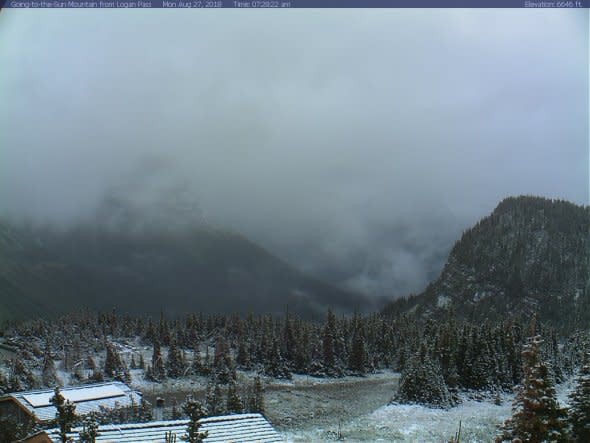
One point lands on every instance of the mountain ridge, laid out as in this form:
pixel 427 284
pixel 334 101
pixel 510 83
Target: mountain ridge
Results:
pixel 47 272
pixel 531 254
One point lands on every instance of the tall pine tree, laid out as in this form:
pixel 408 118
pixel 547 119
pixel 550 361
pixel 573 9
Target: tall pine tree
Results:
pixel 536 415
pixel 195 411
pixel 65 414
pixel 579 410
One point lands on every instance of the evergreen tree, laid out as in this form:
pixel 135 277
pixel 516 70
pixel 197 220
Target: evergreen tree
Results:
pixel 49 373
pixel 357 355
pixel 145 412
pixel 276 366
pixel 89 430
pixel 422 382
pixel 114 367
pixel 97 376
pixel 242 359
pixel 579 408
pixel 302 352
pixel 197 365
pixel 174 364
pixel 222 364
pixel 195 411
pixel 65 415
pixel 234 404
pixel 536 415
pixel 256 397
pixel 215 404
pixel 163 330
pixel 206 366
pixel 288 348
pixel 484 366
pixel 329 358
pixel 21 377
pixel 157 372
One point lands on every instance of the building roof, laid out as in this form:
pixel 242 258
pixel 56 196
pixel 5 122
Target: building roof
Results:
pixel 222 429
pixel 87 398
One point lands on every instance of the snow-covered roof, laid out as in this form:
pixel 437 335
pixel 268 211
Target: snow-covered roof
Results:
pixel 87 398
pixel 222 429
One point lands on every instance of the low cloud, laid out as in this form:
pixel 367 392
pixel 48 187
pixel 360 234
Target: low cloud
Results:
pixel 355 144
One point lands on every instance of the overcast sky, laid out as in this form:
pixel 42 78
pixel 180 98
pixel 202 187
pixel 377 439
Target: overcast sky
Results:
pixel 355 144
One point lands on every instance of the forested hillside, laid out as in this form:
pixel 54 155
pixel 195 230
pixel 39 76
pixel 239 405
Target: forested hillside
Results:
pixel 48 271
pixel 530 255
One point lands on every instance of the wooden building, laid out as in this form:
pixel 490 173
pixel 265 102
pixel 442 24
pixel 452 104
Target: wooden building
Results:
pixel 36 405
pixel 246 428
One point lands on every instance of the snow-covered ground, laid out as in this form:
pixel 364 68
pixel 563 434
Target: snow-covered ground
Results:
pixel 412 423
pixel 313 409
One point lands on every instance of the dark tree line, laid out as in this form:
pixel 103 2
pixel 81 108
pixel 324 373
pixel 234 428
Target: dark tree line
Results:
pixel 437 358
pixel 465 355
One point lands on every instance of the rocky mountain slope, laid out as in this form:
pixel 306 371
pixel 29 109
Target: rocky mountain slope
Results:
pixel 530 255
pixel 45 272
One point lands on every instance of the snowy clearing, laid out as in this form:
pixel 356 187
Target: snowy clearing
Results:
pixel 413 423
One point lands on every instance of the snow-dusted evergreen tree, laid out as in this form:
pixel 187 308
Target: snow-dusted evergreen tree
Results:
pixel 206 365
pixel 89 430
pixel 195 411
pixel 197 364
pixel 234 404
pixel 422 382
pixel 114 367
pixel 156 372
pixel 174 364
pixel 536 415
pixel 275 365
pixel 214 399
pixel 222 364
pixel 357 357
pixel 65 415
pixel 145 411
pixel 485 374
pixel 579 408
pixel 255 401
pixel 21 377
pixel 302 358
pixel 329 359
pixel 163 330
pixel 288 339
pixel 49 373
pixel 446 348
pixel 242 357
